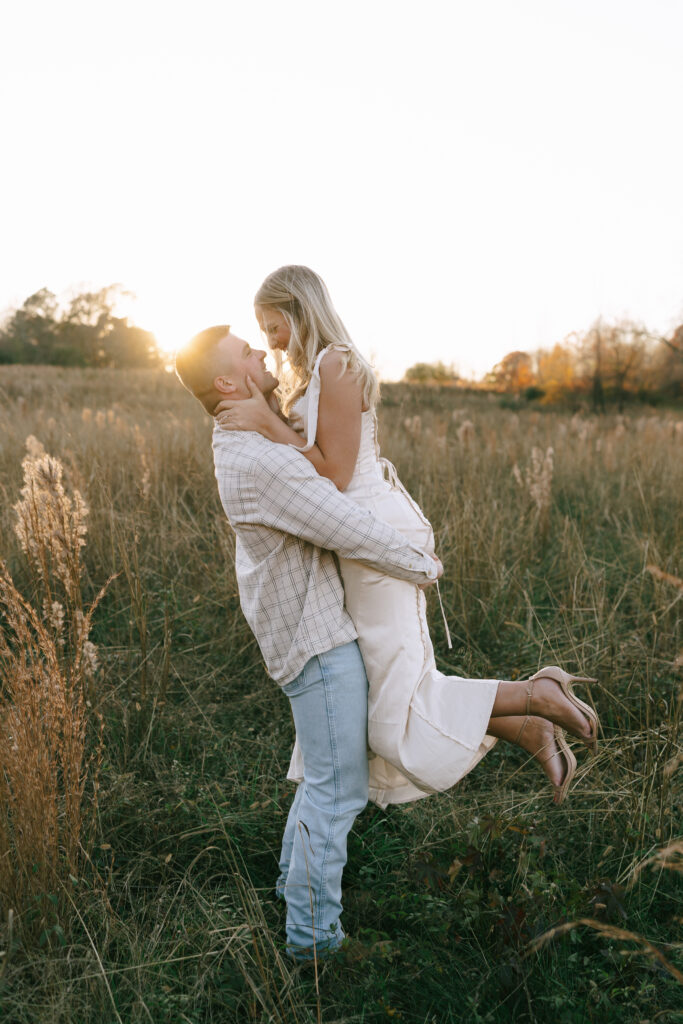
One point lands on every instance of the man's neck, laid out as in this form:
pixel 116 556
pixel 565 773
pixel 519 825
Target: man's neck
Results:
pixel 273 403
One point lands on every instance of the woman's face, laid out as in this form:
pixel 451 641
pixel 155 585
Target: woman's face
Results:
pixel 274 326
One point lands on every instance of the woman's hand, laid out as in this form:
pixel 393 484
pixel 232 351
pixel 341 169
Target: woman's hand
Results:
pixel 439 574
pixel 247 413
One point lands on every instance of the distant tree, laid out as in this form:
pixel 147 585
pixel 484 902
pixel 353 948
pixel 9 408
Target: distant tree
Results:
pixel 675 342
pixel 625 357
pixel 30 332
pixel 614 358
pixel 590 364
pixel 127 345
pixel 431 373
pixel 84 332
pixel 608 362
pixel 513 373
pixel 667 365
pixel 557 372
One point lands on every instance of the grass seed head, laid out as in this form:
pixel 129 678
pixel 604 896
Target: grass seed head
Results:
pixel 51 525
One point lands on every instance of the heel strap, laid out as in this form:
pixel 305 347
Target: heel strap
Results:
pixel 521 730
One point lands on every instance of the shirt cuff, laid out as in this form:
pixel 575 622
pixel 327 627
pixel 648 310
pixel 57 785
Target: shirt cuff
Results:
pixel 431 570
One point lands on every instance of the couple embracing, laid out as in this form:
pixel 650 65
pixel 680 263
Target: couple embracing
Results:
pixel 332 557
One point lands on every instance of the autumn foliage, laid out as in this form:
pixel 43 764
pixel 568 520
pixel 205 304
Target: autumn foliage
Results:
pixel 607 363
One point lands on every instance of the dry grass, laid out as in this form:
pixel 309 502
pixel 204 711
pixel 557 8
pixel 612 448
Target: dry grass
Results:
pixel 175 918
pixel 47 670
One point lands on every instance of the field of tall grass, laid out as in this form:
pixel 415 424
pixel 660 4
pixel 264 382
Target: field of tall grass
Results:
pixel 154 748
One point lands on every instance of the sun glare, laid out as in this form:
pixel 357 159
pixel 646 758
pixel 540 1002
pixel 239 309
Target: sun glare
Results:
pixel 174 323
pixel 170 330
pixel 166 343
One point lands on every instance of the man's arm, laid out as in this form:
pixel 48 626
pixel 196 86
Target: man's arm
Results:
pixel 291 497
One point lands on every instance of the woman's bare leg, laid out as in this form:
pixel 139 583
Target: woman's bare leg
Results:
pixel 547 701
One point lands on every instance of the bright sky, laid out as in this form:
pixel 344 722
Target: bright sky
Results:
pixel 469 176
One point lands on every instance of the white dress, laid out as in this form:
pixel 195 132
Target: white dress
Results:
pixel 425 730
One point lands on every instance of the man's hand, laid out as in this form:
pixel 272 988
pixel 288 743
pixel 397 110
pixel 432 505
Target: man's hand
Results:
pixel 439 574
pixel 252 413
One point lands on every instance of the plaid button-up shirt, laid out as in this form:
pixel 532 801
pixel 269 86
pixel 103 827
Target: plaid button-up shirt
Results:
pixel 289 521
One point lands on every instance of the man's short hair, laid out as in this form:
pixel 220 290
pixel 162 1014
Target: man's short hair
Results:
pixel 194 363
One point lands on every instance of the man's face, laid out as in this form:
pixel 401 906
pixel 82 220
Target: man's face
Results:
pixel 241 361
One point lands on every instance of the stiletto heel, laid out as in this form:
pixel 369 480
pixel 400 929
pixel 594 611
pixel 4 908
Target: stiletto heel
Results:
pixel 566 752
pixel 564 681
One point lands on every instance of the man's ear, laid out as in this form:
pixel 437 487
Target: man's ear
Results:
pixel 224 385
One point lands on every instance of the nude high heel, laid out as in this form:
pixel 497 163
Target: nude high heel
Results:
pixel 564 681
pixel 570 764
pixel 565 752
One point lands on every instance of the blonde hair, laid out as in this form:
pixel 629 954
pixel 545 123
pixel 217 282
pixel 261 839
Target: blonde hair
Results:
pixel 196 367
pixel 303 299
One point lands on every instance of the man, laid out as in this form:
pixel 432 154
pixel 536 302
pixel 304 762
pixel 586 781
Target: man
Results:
pixel 288 522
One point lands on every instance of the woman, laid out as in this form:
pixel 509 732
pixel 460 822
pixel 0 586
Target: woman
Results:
pixel 425 729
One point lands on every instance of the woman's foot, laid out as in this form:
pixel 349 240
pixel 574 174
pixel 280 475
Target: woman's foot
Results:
pixel 545 743
pixel 577 717
pixel 548 694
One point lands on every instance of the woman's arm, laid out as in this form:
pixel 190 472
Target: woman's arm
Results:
pixel 339 421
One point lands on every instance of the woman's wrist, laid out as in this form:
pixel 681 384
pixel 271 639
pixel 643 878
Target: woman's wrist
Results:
pixel 271 426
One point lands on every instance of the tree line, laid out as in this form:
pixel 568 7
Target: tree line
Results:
pixel 81 330
pixel 609 363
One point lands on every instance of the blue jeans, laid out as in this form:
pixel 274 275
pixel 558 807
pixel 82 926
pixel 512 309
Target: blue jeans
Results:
pixel 330 706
